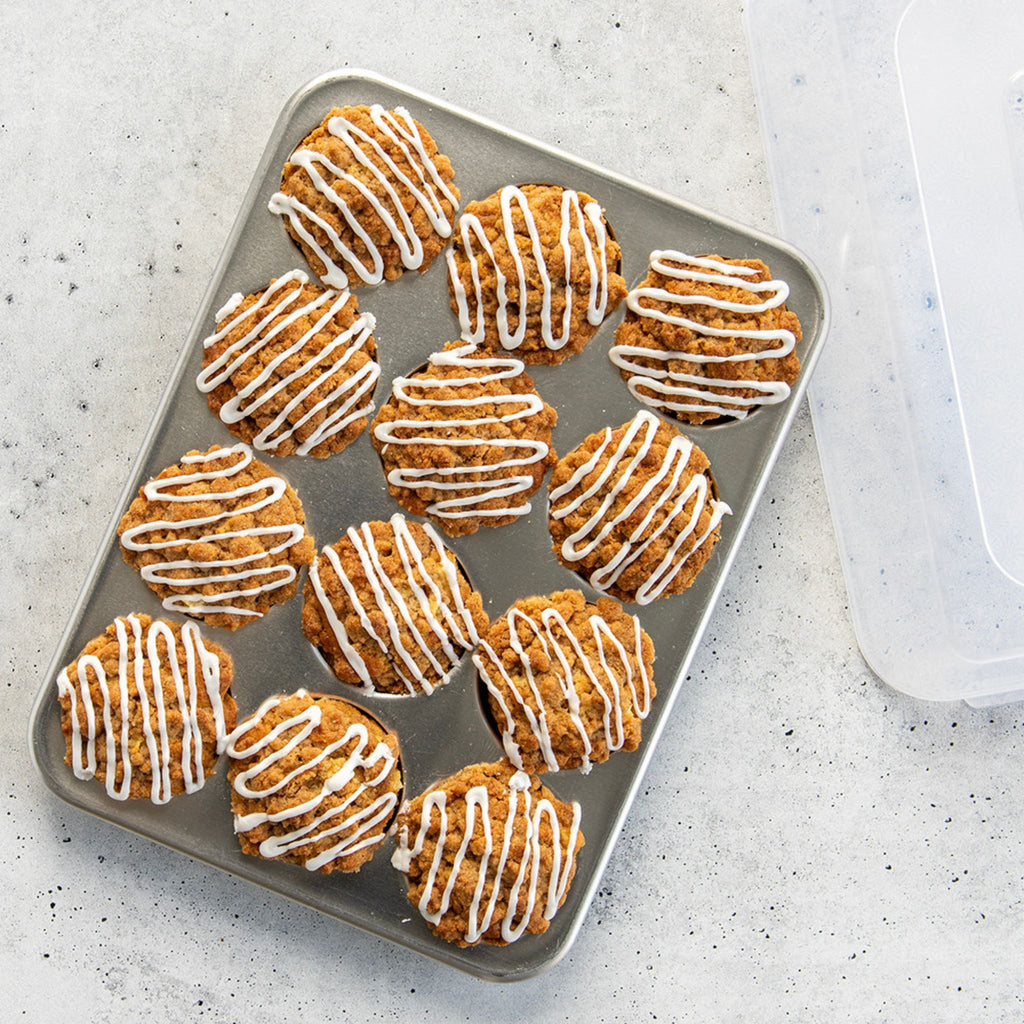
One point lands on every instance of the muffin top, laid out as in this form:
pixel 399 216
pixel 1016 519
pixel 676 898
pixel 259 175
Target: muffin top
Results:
pixel 219 536
pixel 390 609
pixel 568 682
pixel 315 781
pixel 367 196
pixel 291 368
pixel 634 510
pixel 466 440
pixel 489 854
pixel 534 269
pixel 146 708
pixel 706 338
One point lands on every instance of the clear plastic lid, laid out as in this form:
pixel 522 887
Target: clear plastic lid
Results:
pixel 967 135
pixel 895 140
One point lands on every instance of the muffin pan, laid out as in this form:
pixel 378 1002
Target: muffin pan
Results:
pixel 449 729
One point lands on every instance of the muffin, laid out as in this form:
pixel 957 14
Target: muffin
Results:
pixel 146 708
pixel 390 609
pixel 466 440
pixel 291 368
pixel 534 269
pixel 219 536
pixel 489 854
pixel 706 338
pixel 635 511
pixel 568 682
pixel 367 196
pixel 315 781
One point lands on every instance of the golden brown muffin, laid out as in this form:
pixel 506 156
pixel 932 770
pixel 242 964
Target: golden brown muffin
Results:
pixel 706 338
pixel 516 285
pixel 568 682
pixel 390 609
pixel 523 846
pixel 146 708
pixel 315 781
pixel 292 367
pixel 466 440
pixel 219 536
pixel 634 510
pixel 367 196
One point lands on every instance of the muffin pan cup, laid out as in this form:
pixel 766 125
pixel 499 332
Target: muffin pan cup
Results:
pixel 447 730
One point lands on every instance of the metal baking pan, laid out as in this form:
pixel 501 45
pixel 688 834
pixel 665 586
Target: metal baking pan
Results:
pixel 447 730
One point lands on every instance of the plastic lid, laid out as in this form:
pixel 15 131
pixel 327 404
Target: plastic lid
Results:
pixel 967 135
pixel 894 134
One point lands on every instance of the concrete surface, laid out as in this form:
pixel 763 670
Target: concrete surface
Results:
pixel 810 845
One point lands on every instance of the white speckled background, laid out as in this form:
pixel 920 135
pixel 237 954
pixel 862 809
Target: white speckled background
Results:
pixel 810 845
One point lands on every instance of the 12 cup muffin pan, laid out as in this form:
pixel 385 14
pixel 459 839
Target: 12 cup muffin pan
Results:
pixel 449 729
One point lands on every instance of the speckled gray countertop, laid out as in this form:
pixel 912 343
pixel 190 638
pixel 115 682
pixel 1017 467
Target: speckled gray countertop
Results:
pixel 809 845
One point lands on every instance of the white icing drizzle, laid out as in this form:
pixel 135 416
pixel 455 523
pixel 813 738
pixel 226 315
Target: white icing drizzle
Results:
pixel 662 492
pixel 359 826
pixel 254 572
pixel 170 681
pixel 468 496
pixel 425 186
pixel 560 645
pixel 344 403
pixel 662 388
pixel 524 820
pixel 472 232
pixel 448 619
